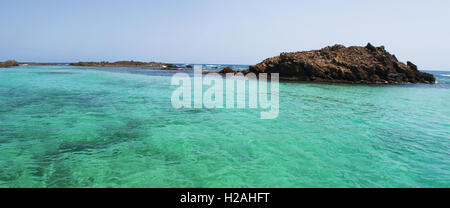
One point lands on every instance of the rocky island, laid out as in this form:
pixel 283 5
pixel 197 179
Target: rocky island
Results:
pixel 128 64
pixel 9 63
pixel 367 65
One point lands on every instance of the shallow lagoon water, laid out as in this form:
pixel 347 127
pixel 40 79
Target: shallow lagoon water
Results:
pixel 63 126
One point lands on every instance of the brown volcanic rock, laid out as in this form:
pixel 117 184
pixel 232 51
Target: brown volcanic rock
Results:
pixel 9 63
pixel 228 70
pixel 343 64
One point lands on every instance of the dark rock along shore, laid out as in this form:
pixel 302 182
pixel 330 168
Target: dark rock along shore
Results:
pixel 163 66
pixel 369 65
pixel 127 64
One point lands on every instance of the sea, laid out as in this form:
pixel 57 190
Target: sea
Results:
pixel 68 126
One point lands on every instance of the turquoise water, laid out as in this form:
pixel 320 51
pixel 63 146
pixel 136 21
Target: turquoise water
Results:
pixel 63 126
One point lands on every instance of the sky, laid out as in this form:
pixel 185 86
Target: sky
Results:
pixel 220 31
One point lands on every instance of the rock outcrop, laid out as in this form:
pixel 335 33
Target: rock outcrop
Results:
pixel 9 63
pixel 226 70
pixel 343 64
pixel 128 64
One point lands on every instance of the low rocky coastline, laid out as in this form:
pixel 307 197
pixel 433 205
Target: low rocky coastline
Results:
pixel 164 66
pixel 366 65
pixel 13 63
pixel 9 63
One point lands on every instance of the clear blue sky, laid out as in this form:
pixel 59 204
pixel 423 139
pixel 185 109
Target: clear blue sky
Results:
pixel 213 31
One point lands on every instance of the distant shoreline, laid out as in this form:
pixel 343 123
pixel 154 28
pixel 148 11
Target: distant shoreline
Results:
pixel 335 64
pixel 163 66
pixel 131 64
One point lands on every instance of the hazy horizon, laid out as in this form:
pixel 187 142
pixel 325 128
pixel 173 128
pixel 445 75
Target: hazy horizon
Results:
pixel 228 32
